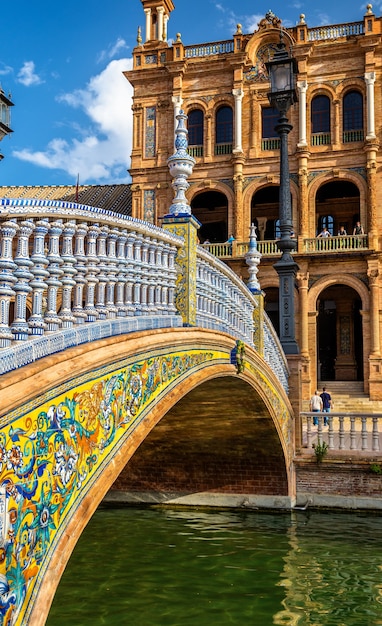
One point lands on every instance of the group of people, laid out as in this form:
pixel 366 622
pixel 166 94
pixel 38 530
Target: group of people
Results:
pixel 357 230
pixel 321 403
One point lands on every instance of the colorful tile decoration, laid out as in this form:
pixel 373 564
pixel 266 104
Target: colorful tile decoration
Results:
pixel 150 132
pixel 149 205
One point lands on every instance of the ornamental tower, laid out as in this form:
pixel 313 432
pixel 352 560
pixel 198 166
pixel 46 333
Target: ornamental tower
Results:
pixel 157 16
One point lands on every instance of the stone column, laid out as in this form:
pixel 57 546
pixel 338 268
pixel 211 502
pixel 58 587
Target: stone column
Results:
pixel 160 14
pixel 304 203
pixel 302 87
pixel 148 24
pixel 373 275
pixel 165 22
pixel 372 219
pixel 23 274
pixel 238 95
pixel 337 124
pixel 370 116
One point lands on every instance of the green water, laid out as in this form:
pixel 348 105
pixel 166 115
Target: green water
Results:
pixel 154 567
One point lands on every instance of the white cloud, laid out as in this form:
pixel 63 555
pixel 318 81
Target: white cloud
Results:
pixel 102 152
pixel 113 50
pixel 27 75
pixel 5 69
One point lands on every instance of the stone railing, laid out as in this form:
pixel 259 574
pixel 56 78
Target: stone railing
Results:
pixel 208 49
pixel 336 244
pixel 223 300
pixel 274 354
pixel 269 247
pixel 345 431
pixel 335 31
pixel 72 274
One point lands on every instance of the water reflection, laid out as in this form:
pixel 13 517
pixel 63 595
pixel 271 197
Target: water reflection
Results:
pixel 154 567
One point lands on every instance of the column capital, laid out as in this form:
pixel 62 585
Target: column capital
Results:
pixel 370 78
pixel 177 101
pixel 302 86
pixel 238 93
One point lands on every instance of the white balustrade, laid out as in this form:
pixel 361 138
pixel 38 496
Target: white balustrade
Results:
pixel 351 432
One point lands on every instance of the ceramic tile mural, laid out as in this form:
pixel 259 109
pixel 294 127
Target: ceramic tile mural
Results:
pixel 150 132
pixel 149 205
pixel 51 456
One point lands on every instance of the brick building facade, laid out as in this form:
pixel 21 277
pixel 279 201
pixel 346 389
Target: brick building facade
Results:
pixel 334 162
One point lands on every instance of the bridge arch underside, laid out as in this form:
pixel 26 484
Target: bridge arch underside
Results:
pixel 219 438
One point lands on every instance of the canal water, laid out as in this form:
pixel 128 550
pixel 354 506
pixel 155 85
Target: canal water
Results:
pixel 170 567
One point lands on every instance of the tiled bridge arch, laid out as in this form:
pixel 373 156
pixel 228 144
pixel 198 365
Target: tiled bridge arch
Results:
pixel 67 439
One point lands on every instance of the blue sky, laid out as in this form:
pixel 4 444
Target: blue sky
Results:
pixel 63 61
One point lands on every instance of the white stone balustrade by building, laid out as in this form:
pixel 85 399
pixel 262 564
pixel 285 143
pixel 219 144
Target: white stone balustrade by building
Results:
pixel 345 431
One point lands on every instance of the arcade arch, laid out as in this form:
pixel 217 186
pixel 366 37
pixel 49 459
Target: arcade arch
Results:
pixel 211 209
pixel 338 203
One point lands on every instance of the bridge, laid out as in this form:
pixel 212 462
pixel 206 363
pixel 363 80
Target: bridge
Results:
pixel 107 323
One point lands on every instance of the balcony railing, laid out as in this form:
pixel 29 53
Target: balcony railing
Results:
pixel 223 148
pixel 336 244
pixel 345 431
pixel 320 139
pixel 333 32
pixel 270 144
pixel 349 243
pixel 195 151
pixel 208 49
pixel 350 136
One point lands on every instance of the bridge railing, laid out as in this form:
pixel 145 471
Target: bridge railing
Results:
pixel 72 274
pixel 352 432
pixel 223 300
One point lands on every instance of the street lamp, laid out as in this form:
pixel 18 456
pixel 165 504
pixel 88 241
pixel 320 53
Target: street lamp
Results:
pixel 282 70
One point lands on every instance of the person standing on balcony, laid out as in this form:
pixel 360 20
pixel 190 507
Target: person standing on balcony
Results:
pixel 324 233
pixel 358 229
pixel 316 406
pixel 327 403
pixel 342 232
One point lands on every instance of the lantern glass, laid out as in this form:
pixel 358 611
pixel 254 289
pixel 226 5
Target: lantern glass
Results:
pixel 281 77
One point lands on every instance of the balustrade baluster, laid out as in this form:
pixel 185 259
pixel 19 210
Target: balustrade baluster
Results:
pixel 309 431
pixel 51 318
pixel 130 273
pixel 165 269
pixel 353 445
pixel 158 286
pixel 40 274
pixel 100 304
pixel 172 276
pixel 91 272
pixel 137 275
pixel 121 275
pixel 319 430
pixel 364 433
pixel 330 433
pixel 152 277
pixel 69 271
pixel 112 269
pixel 375 435
pixel 80 278
pixel 22 288
pixel 145 271
pixel 7 279
pixel 341 433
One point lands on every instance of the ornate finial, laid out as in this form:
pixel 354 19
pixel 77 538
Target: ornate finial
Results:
pixel 178 38
pixel 239 29
pixel 302 18
pixel 252 259
pixel 139 36
pixel 180 165
pixel 369 9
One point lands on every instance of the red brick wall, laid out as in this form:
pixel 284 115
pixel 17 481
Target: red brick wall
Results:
pixel 342 480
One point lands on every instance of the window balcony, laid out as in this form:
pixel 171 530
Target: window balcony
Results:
pixel 195 151
pixel 270 144
pixel 350 136
pixel 223 148
pixel 320 139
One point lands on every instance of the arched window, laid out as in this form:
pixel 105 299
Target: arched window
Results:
pixel 270 140
pixel 196 132
pixel 224 130
pixel 326 221
pixel 320 120
pixel 352 117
